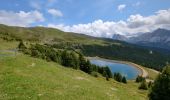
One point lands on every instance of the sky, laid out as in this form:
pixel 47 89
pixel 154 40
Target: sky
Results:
pixel 100 18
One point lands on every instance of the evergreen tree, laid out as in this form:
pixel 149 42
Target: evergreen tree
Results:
pixel 124 80
pixel 21 46
pixel 107 77
pixel 75 60
pixel 64 58
pixel 88 67
pixel 83 63
pixel 118 77
pixel 68 59
pixel 150 84
pixel 139 79
pixel 94 68
pixel 101 70
pixel 143 85
pixel 35 53
pixel 104 73
pixel 108 72
pixel 161 87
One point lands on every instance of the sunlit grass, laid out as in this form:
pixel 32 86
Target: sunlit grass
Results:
pixel 23 77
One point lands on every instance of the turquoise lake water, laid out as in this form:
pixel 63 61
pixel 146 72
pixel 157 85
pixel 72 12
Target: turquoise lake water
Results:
pixel 126 70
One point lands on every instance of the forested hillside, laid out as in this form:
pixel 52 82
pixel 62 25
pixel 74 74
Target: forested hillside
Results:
pixel 89 46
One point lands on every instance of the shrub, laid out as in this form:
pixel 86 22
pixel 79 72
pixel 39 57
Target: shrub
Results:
pixel 95 74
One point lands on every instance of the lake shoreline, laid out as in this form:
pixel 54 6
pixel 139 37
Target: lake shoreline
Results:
pixel 143 73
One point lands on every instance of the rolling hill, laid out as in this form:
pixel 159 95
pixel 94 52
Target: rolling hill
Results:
pixel 90 46
pixel 23 78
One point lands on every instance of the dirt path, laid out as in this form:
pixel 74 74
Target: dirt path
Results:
pixel 144 73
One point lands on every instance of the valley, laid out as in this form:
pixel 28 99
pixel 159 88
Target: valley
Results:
pixel 84 50
pixel 25 77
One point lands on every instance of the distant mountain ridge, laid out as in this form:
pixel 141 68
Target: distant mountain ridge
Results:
pixel 119 37
pixel 159 38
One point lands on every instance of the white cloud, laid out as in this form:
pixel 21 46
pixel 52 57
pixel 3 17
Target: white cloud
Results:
pixel 55 12
pixel 121 7
pixel 134 24
pixel 21 18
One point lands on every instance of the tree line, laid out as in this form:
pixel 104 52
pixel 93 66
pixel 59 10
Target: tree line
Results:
pixel 159 89
pixel 125 52
pixel 67 58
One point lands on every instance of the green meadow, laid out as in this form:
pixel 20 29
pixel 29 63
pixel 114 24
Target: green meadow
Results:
pixel 26 78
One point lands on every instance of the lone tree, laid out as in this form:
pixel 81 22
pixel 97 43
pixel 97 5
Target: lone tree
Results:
pixel 143 85
pixel 124 80
pixel 150 84
pixel 139 79
pixel 21 46
pixel 161 87
pixel 107 78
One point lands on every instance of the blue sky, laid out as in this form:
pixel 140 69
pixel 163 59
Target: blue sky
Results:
pixel 65 14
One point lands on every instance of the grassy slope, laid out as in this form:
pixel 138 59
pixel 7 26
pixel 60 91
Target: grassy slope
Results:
pixel 7 45
pixel 24 77
pixel 48 35
pixel 152 73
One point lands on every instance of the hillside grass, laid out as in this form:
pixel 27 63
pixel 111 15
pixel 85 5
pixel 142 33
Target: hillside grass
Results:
pixel 25 78
pixel 47 35
pixel 152 73
pixel 4 45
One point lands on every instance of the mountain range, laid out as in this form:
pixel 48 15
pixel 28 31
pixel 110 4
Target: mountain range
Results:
pixel 159 38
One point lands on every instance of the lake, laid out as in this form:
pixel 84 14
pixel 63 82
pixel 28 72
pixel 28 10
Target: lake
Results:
pixel 130 72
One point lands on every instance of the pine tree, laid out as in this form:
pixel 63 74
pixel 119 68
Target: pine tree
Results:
pixel 118 77
pixel 75 60
pixel 64 57
pixel 107 77
pixel 124 80
pixel 88 67
pixel 82 61
pixel 143 85
pixel 35 53
pixel 139 79
pixel 108 72
pixel 150 84
pixel 21 46
pixel 161 87
pixel 104 73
